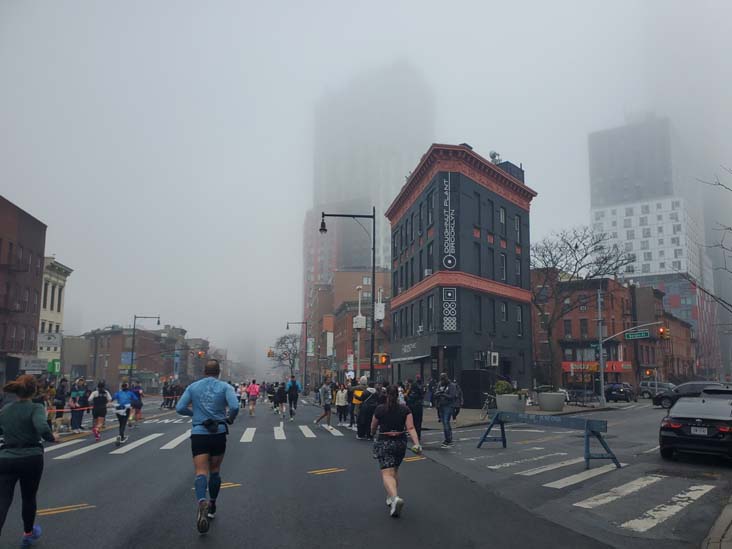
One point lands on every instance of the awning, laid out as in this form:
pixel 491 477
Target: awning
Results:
pixel 408 358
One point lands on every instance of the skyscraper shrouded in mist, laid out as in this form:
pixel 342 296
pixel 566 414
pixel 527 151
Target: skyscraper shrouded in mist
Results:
pixel 641 199
pixel 368 135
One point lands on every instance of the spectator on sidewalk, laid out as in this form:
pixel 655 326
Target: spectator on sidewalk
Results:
pixel 341 401
pixel 59 400
pixel 369 402
pixel 459 401
pixel 446 397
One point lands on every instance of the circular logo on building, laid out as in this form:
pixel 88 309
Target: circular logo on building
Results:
pixel 449 261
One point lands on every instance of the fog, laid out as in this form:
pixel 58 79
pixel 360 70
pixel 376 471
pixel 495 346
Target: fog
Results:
pixel 169 146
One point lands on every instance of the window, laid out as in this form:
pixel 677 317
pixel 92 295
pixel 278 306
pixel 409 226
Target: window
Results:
pixel 477 313
pixel 568 329
pixel 660 241
pixel 598 227
pixel 661 253
pixel 394 325
pixel 58 327
pixel 677 228
pixel 395 282
pixel 411 328
pixel 430 256
pixel 489 263
pixel 411 272
pixel 35 301
pixel 645 245
pixel 430 311
pixel 517 228
pixel 643 221
pixel 420 271
pixel 628 212
pixel 26 300
pixel 489 215
pixel 630 235
pixel 477 259
pixel 401 278
pixel 430 207
pixel 659 229
pixel 658 205
pixel 394 248
pixel 675 241
pixel 365 281
pixel 659 217
pixel 403 236
pixel 627 223
pixel 678 252
pixel 674 216
pixel 662 266
pixel 402 322
pixel 421 313
pixel 675 205
pixel 503 311
pixel 584 331
pixel 599 215
pixel 614 223
pixel 502 221
pixel 613 212
pixel 519 320
pixel 502 267
pixel 646 268
pixel 411 228
pixel 45 295
pixel 43 327
pixel 420 217
pixel 647 256
pixel 646 233
pixel 476 197
pixel 645 208
pixel 518 271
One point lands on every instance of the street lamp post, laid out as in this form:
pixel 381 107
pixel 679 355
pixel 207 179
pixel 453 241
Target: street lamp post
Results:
pixel 372 217
pixel 132 354
pixel 305 364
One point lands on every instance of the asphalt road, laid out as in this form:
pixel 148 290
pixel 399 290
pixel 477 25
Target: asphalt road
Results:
pixel 301 486
pixel 649 502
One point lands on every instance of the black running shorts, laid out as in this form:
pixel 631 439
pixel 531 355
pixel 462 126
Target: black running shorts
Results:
pixel 213 445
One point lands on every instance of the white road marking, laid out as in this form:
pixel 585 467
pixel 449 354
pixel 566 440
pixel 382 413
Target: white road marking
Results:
pixel 89 448
pixel 550 467
pixel 580 477
pixel 248 435
pixel 307 431
pixel 333 431
pixel 62 445
pixel 665 511
pixel 489 456
pixel 619 492
pixel 279 433
pixel 176 441
pixel 651 450
pixel 524 431
pixel 127 447
pixel 525 460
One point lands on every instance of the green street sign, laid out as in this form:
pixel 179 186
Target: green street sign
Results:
pixel 640 334
pixel 54 366
pixel 168 356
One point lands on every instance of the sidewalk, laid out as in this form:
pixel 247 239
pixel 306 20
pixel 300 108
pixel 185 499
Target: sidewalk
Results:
pixel 471 417
pixel 720 536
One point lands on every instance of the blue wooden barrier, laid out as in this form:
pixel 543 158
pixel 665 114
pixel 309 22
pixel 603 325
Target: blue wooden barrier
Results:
pixel 591 428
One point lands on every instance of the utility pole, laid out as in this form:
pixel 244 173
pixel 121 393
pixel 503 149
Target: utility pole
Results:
pixel 601 349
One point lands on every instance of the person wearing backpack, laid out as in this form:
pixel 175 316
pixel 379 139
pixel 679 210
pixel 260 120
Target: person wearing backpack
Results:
pixel 99 400
pixel 446 398
pixel 293 391
pixel 369 402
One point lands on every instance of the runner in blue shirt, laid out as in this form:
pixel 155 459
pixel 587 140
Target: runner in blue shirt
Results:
pixel 207 401
pixel 124 398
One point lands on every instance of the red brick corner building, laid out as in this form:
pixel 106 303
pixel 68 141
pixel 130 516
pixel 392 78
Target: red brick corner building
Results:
pixel 460 271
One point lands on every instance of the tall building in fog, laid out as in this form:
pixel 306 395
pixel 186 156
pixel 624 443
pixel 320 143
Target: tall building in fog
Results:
pixel 640 197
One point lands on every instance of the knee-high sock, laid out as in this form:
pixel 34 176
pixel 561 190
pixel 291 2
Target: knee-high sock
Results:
pixel 214 485
pixel 200 486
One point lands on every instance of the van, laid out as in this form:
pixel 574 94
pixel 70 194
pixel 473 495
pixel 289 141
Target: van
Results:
pixel 647 389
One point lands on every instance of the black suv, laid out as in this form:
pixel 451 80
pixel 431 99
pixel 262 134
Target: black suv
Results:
pixel 691 389
pixel 620 391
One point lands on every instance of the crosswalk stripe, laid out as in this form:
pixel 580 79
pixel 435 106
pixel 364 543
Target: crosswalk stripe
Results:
pixel 619 492
pixel 665 511
pixel 279 433
pixel 132 445
pixel 176 441
pixel 550 467
pixel 248 435
pixel 307 431
pixel 333 431
pixel 525 460
pixel 579 477
pixel 55 447
pixel 85 449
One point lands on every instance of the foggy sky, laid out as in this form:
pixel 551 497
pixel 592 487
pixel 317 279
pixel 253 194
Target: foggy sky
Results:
pixel 168 146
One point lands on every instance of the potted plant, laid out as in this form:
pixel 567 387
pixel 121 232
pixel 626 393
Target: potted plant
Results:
pixel 508 399
pixel 551 401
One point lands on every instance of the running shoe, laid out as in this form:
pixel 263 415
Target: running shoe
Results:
pixel 292 418
pixel 446 445
pixel 202 517
pixel 211 509
pixel 388 501
pixel 396 506
pixel 30 540
pixel 125 439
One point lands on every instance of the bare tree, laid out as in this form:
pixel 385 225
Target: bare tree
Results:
pixel 566 257
pixel 286 350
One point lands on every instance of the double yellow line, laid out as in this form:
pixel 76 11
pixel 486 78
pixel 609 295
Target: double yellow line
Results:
pixel 414 458
pixel 64 509
pixel 326 471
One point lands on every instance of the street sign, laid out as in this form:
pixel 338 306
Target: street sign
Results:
pixel 168 355
pixel 54 366
pixel 640 334
pixel 595 345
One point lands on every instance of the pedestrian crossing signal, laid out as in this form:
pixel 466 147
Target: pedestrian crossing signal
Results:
pixel 382 359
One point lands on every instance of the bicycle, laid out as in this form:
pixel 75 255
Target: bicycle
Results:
pixel 488 405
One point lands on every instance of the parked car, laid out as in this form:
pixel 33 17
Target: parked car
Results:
pixel 700 425
pixel 620 391
pixel 691 389
pixel 649 388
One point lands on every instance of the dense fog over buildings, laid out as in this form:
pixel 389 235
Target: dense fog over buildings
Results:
pixel 174 150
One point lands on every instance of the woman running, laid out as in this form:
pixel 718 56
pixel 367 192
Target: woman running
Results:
pixel 281 400
pixel 253 392
pixel 393 421
pixel 124 399
pixel 23 424
pixel 136 405
pixel 99 400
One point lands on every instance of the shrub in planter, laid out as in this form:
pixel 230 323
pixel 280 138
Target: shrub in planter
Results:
pixel 504 388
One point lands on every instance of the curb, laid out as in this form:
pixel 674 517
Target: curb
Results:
pixel 720 536
pixel 485 423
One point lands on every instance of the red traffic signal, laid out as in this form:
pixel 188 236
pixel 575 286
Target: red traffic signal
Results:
pixel 662 332
pixel 201 354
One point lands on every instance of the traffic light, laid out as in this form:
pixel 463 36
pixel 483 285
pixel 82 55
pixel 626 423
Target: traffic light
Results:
pixel 648 372
pixel 201 354
pixel 664 333
pixel 384 359
pixel 270 353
